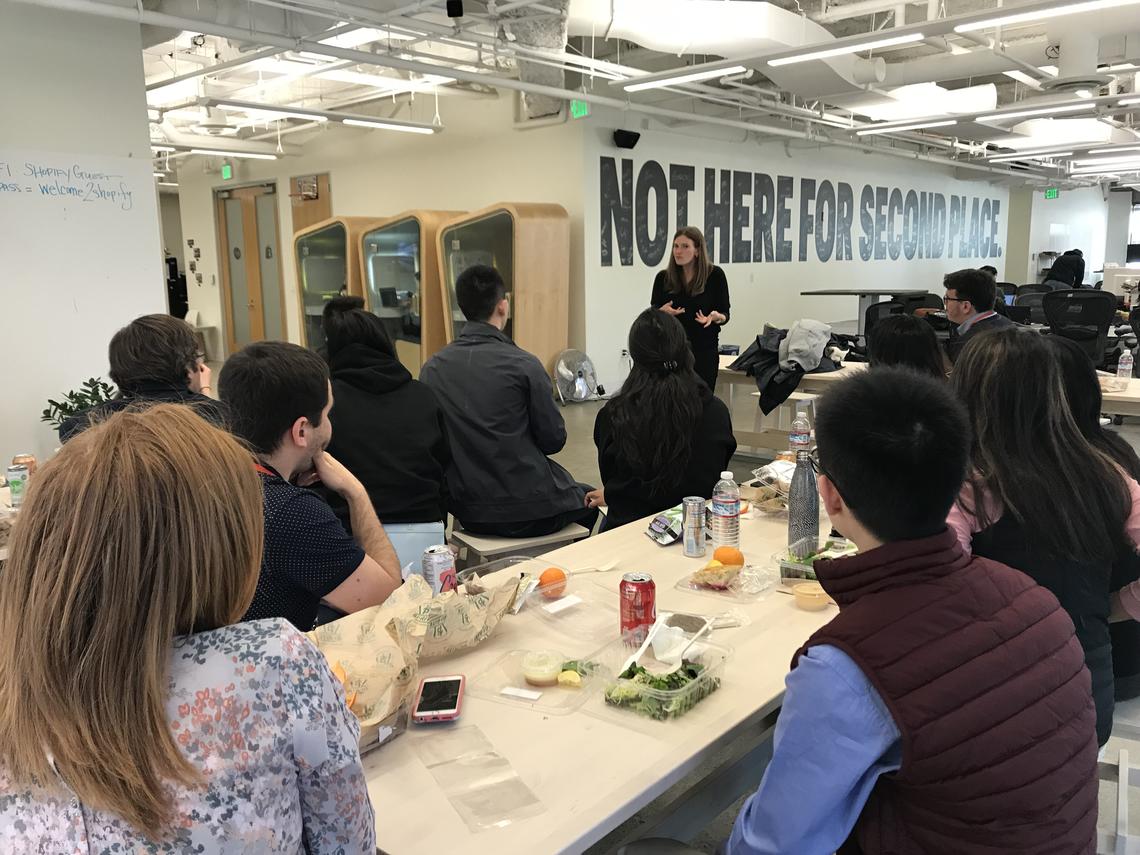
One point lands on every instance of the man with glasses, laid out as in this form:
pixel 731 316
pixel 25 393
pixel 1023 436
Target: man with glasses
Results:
pixel 969 300
pixel 154 359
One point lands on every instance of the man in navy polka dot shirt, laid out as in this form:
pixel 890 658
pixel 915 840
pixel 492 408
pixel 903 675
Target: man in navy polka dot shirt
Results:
pixel 279 400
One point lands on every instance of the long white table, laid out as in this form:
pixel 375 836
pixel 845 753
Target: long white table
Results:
pixel 596 767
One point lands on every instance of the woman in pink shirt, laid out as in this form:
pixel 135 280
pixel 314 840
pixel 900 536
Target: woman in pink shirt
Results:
pixel 1041 497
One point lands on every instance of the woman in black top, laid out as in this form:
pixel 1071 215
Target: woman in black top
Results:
pixel 905 341
pixel 387 428
pixel 665 435
pixel 695 291
pixel 1041 497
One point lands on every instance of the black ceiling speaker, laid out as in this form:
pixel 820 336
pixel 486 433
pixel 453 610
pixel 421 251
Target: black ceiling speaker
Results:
pixel 455 8
pixel 626 139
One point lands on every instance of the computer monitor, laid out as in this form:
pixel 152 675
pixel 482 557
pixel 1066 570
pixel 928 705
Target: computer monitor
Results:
pixel 1009 299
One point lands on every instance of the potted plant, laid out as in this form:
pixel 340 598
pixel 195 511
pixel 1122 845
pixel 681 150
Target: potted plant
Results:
pixel 93 391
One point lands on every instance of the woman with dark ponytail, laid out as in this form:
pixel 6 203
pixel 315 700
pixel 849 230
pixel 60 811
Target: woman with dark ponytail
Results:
pixel 665 435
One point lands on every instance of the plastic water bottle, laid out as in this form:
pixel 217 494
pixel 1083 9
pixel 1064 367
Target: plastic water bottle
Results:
pixel 799 437
pixel 803 508
pixel 1124 366
pixel 726 512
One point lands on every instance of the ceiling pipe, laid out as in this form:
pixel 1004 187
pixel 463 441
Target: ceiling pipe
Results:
pixel 134 15
pixel 860 9
pixel 998 49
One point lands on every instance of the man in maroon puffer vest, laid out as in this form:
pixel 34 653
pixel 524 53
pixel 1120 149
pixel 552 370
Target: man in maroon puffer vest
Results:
pixel 946 710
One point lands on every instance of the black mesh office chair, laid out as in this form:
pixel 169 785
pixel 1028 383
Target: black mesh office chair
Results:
pixel 1033 289
pixel 1008 288
pixel 1081 315
pixel 1033 303
pixel 912 302
pixel 877 311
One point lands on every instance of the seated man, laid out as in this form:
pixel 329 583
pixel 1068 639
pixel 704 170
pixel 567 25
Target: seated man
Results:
pixel 154 359
pixel 969 299
pixel 498 407
pixel 279 398
pixel 946 709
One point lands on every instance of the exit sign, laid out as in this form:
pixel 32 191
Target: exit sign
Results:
pixel 227 171
pixel 1052 193
pixel 579 109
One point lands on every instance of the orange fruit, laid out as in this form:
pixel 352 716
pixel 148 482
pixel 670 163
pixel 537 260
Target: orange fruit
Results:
pixel 729 556
pixel 552 583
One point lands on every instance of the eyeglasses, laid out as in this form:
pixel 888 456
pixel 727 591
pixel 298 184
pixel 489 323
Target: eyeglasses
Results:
pixel 955 300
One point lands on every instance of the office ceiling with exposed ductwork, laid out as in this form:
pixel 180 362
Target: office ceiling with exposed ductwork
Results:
pixel 1047 90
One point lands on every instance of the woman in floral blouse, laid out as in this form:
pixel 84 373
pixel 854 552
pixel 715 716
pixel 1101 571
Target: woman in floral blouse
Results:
pixel 135 715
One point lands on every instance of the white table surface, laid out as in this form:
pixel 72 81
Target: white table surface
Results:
pixel 596 767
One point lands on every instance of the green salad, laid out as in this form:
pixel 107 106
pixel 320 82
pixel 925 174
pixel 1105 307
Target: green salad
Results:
pixel 639 690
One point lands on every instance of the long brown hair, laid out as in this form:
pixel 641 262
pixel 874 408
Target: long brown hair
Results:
pixel 1029 453
pixel 675 277
pixel 144 528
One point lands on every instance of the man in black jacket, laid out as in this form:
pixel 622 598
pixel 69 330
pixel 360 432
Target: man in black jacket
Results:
pixel 970 305
pixel 498 406
pixel 154 360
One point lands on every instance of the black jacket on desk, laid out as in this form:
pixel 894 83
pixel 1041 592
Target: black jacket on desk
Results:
pixel 626 493
pixel 498 405
pixel 713 298
pixel 958 340
pixel 147 393
pixel 388 431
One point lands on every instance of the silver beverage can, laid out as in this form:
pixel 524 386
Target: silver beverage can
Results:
pixel 17 476
pixel 693 526
pixel 438 566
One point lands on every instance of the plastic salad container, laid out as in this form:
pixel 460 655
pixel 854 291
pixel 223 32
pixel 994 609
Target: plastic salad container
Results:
pixel 504 682
pixel 661 698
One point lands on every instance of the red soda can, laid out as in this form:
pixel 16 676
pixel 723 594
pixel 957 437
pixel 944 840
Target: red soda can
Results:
pixel 638 596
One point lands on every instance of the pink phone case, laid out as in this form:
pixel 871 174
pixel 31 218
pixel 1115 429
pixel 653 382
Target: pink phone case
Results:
pixel 423 718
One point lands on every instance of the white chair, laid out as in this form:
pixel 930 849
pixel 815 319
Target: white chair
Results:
pixel 480 548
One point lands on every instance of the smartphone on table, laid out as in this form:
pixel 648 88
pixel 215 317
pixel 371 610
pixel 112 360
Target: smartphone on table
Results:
pixel 439 699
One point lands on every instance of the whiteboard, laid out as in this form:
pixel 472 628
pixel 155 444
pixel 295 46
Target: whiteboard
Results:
pixel 80 257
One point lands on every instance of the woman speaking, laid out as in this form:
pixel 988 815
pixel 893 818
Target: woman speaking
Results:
pixel 695 292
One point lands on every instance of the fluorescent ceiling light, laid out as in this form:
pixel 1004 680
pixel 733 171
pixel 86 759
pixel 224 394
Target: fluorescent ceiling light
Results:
pixel 1029 155
pixel 1114 149
pixel 691 77
pixel 160 175
pixel 162 148
pixel 271 112
pixel 362 36
pixel 846 49
pixel 252 155
pixel 389 126
pixel 1022 77
pixel 1127 166
pixel 1051 70
pixel 880 129
pixel 1108 161
pixel 181 90
pixel 1037 111
pixel 1130 102
pixel 386 85
pixel 1042 14
pixel 167 183
pixel 1083 93
pixel 1123 66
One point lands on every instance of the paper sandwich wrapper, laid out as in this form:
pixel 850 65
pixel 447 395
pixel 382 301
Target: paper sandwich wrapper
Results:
pixel 380 648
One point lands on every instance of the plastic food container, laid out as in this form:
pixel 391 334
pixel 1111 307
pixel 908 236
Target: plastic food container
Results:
pixel 580 611
pixel 504 683
pixel 657 703
pixel 810 596
pixel 750 584
pixel 520 564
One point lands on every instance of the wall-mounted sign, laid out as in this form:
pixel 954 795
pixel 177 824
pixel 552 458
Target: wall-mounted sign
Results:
pixel 1052 192
pixel 579 109
pixel 747 217
pixel 227 171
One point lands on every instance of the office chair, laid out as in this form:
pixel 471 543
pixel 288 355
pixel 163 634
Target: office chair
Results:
pixel 1083 316
pixel 1008 288
pixel 911 302
pixel 877 311
pixel 1032 289
pixel 1032 301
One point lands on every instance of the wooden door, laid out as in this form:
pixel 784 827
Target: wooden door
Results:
pixel 252 288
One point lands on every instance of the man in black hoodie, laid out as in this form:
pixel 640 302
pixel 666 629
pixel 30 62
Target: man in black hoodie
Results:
pixel 389 428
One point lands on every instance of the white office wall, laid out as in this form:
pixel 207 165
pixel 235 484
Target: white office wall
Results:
pixel 71 271
pixel 1076 219
pixel 479 159
pixel 1116 239
pixel 768 291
